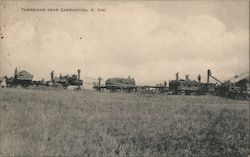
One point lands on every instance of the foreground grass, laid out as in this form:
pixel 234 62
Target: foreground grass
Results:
pixel 68 123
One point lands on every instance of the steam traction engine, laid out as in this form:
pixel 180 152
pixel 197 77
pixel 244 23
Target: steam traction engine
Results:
pixel 66 81
pixel 185 87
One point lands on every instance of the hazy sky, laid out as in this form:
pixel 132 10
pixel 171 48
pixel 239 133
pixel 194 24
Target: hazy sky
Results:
pixel 149 41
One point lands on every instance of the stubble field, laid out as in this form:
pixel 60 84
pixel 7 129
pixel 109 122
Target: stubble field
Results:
pixel 88 123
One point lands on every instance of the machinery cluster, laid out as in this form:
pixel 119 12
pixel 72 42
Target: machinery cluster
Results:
pixel 237 88
pixel 25 79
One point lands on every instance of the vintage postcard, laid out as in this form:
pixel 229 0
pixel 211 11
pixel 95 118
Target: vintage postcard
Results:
pixel 124 78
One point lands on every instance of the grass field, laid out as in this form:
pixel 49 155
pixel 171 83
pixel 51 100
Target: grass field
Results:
pixel 69 123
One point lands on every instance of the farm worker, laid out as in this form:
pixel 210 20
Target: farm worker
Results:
pixel 199 78
pixel 99 81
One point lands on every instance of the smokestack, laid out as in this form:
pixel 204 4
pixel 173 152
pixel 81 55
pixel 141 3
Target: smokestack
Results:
pixel 78 74
pixel 52 75
pixel 16 71
pixel 208 75
pixel 177 76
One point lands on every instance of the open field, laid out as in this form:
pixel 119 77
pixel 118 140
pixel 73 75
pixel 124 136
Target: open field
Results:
pixel 69 123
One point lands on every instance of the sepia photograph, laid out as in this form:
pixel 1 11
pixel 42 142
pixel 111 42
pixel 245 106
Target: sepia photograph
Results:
pixel 143 78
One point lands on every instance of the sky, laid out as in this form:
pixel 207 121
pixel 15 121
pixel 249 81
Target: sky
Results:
pixel 147 40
